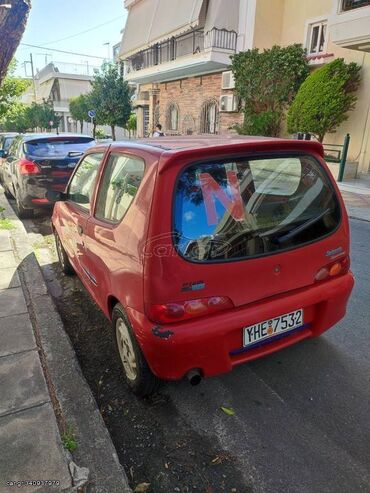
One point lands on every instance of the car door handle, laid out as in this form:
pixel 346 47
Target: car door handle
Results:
pixel 80 230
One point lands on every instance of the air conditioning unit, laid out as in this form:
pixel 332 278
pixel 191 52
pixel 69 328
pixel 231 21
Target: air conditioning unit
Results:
pixel 228 103
pixel 228 81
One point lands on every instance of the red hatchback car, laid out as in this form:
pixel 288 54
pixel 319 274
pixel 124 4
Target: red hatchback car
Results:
pixel 206 253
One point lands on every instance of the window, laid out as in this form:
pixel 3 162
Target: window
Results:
pixel 209 118
pixel 82 185
pixel 58 147
pixel 354 4
pixel 317 38
pixel 172 123
pixel 119 185
pixel 250 207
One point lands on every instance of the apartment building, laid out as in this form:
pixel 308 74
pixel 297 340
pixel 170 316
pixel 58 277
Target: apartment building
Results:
pixel 59 83
pixel 178 55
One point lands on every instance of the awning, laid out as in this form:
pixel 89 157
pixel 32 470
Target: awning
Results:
pixel 44 90
pixel 222 15
pixel 153 21
pixel 137 30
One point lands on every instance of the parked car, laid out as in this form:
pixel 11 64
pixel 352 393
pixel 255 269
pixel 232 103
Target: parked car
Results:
pixel 5 141
pixel 206 254
pixel 38 166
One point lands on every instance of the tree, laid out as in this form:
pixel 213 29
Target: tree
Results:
pixel 324 99
pixel 12 25
pixel 131 124
pixel 79 108
pixel 11 88
pixel 266 82
pixel 15 119
pixel 112 97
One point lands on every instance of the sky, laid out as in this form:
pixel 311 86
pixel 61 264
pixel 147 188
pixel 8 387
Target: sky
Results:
pixel 51 21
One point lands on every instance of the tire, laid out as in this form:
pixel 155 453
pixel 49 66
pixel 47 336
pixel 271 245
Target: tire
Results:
pixel 7 194
pixel 64 262
pixel 22 212
pixel 138 376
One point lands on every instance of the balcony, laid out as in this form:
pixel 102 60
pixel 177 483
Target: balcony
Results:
pixel 350 24
pixel 192 53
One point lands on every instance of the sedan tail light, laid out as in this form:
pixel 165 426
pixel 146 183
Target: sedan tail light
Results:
pixel 28 167
pixel 334 269
pixel 184 310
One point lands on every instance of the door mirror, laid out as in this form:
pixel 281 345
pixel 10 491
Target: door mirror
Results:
pixel 79 198
pixel 3 154
pixel 63 196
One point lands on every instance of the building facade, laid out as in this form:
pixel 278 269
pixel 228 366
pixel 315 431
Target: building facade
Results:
pixel 178 55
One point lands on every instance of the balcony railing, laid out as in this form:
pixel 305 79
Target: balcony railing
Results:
pixel 354 4
pixel 190 43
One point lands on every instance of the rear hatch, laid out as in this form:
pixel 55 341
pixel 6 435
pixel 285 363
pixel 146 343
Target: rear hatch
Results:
pixel 56 158
pixel 247 229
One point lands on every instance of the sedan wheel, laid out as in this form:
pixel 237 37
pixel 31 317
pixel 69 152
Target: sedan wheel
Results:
pixel 126 350
pixel 137 373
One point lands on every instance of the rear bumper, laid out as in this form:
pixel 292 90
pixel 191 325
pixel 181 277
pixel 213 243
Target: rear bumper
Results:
pixel 35 193
pixel 215 344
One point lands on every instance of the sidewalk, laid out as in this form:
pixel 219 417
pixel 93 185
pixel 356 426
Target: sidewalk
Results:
pixel 356 196
pixel 31 448
pixel 42 390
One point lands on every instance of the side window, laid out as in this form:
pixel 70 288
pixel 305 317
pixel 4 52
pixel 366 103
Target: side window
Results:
pixel 118 186
pixel 83 181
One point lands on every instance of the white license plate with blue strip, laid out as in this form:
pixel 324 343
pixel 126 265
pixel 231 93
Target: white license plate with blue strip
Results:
pixel 272 327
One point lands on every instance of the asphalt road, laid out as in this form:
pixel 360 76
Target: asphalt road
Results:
pixel 302 416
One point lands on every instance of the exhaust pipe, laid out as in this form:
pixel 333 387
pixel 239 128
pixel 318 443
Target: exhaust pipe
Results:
pixel 194 377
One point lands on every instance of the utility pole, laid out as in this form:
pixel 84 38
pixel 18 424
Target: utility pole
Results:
pixel 33 78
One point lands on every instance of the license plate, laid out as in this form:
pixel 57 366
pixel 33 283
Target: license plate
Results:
pixel 272 327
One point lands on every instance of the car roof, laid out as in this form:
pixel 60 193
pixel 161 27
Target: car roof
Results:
pixel 170 146
pixel 9 134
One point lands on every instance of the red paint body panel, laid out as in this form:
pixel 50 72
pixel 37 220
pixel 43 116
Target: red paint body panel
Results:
pixel 134 262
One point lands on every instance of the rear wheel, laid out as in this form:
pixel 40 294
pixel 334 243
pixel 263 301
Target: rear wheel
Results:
pixel 22 212
pixel 7 194
pixel 137 373
pixel 65 264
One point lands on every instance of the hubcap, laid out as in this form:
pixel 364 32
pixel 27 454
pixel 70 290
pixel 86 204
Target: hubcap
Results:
pixel 126 350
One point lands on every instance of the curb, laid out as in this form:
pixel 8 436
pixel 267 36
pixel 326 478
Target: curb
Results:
pixel 63 374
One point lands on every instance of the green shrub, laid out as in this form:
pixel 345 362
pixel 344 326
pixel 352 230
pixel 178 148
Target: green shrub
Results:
pixel 266 82
pixel 324 99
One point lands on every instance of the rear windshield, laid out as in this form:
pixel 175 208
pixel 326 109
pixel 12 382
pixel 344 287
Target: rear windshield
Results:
pixel 245 208
pixel 7 142
pixel 58 147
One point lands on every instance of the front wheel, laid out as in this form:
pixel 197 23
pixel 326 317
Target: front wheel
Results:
pixel 137 373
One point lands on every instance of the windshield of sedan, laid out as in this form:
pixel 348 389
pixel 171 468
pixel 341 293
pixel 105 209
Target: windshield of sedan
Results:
pixel 58 147
pixel 251 207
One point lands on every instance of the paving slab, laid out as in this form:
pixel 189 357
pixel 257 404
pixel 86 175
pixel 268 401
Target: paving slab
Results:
pixel 22 382
pixel 33 450
pixel 9 278
pixel 7 259
pixel 12 302
pixel 5 244
pixel 16 334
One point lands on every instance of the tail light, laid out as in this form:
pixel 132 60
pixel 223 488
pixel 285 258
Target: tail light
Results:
pixel 28 167
pixel 334 269
pixel 184 310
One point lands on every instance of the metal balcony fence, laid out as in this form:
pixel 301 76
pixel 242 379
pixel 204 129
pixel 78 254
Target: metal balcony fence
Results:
pixel 190 43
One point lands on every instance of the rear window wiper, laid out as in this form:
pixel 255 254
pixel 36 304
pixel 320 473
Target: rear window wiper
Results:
pixel 294 232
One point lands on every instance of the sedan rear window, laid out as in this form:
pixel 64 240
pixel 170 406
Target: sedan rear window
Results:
pixel 251 207
pixel 69 147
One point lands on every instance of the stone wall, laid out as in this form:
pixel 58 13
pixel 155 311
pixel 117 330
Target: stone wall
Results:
pixel 189 96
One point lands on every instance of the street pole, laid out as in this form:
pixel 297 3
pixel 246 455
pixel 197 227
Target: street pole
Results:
pixel 33 78
pixel 343 160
